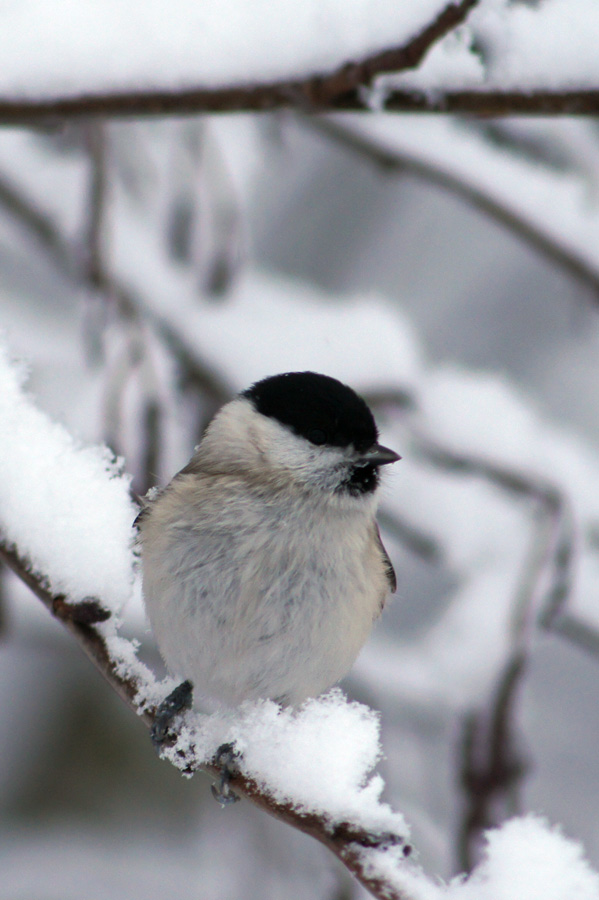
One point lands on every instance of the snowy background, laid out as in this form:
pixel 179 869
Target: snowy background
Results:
pixel 447 270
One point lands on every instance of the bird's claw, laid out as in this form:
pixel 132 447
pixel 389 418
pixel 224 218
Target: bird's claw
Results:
pixel 174 703
pixel 226 758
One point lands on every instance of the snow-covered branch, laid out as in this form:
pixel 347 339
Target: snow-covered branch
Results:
pixel 339 87
pixel 477 57
pixel 66 522
pixel 348 840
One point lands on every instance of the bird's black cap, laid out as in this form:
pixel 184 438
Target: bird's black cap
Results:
pixel 317 407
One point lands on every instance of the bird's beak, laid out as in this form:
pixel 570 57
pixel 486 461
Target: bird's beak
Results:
pixel 379 456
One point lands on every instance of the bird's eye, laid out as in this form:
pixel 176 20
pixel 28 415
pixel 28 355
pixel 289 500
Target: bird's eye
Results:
pixel 316 436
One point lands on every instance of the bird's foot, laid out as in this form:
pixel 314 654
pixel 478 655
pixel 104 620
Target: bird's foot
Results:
pixel 172 705
pixel 226 757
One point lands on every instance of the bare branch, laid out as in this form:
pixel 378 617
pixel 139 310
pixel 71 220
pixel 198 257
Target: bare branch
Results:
pixel 485 103
pixel 579 633
pixel 295 95
pixel 491 765
pixel 95 138
pixel 401 163
pixel 492 103
pixel 345 840
pixel 40 226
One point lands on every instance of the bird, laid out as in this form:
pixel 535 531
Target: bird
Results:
pixel 263 568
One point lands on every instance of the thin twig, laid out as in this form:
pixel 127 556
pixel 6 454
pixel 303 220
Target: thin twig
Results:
pixel 96 206
pixel 556 550
pixel 42 228
pixel 344 839
pixel 491 765
pixel 577 632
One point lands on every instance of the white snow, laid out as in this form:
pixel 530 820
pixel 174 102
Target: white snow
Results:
pixel 66 507
pixel 512 46
pixel 81 47
pixel 527 859
pixel 74 47
pixel 319 758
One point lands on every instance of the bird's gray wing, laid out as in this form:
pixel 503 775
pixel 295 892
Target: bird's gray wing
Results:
pixel 389 570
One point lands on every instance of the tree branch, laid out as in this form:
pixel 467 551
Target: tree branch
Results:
pixel 296 95
pixel 348 842
pixel 42 227
pixel 396 161
pixel 95 140
pixel 491 764
pixel 299 95
pixel 340 89
pixel 496 102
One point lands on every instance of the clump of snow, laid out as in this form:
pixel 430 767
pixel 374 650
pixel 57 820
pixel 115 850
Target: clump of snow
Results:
pixel 319 757
pixel 526 858
pixel 511 46
pixel 64 506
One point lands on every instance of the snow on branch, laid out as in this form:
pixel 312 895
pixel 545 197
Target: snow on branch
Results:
pixel 266 736
pixel 310 768
pixel 66 507
pixel 486 57
pixel 522 849
pixel 209 64
pixel 65 530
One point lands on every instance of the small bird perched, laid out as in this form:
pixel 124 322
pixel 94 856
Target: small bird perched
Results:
pixel 263 567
